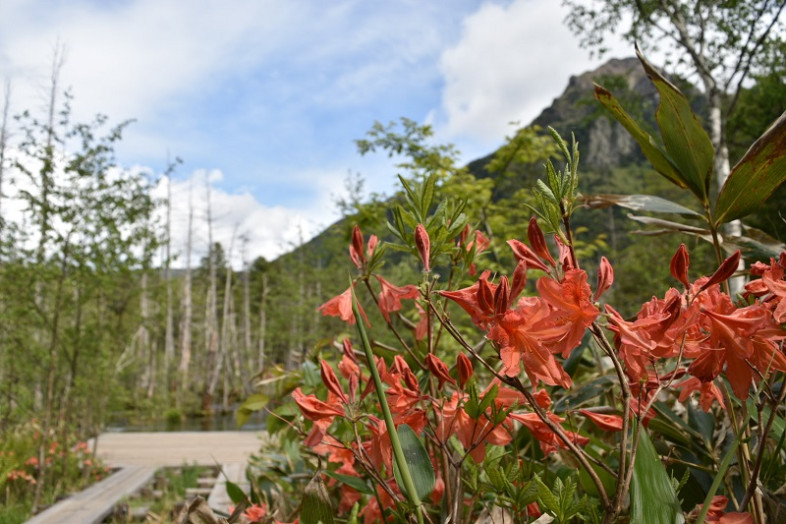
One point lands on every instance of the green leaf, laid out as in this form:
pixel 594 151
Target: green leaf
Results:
pixel 488 399
pixel 756 176
pixel 417 460
pixel 353 482
pixel 649 203
pixel 685 140
pixel 652 496
pixel 236 493
pixel 657 157
pixel 428 194
pixel 315 507
pixel 255 402
pixel 242 416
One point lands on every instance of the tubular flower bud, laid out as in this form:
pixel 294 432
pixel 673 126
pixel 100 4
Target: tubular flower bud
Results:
pixel 726 270
pixel 538 241
pixel 465 370
pixel 439 369
pixel 423 244
pixel 356 247
pixel 680 263
pixel 605 277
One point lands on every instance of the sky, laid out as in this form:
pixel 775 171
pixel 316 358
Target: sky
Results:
pixel 262 100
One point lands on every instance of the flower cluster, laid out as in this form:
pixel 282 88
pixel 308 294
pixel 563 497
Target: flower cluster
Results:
pixel 692 340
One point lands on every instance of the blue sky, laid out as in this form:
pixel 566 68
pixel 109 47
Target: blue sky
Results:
pixel 263 99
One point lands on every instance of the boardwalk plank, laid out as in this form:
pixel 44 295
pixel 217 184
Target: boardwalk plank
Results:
pixel 139 455
pixel 95 503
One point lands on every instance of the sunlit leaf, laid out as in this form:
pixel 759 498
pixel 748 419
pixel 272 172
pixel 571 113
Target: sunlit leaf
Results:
pixel 684 139
pixel 657 157
pixel 756 176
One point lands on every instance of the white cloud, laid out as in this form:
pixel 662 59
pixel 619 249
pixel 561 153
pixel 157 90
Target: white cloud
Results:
pixel 269 231
pixel 511 62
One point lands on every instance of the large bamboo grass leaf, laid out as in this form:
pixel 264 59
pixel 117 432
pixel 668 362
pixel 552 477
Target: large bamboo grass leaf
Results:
pixel 657 157
pixel 316 506
pixel 756 176
pixel 652 496
pixel 649 203
pixel 686 142
pixel 418 461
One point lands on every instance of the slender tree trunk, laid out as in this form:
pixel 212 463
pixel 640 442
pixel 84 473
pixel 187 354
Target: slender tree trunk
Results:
pixel 214 364
pixel 262 323
pixel 4 142
pixel 185 324
pixel 246 309
pixel 169 335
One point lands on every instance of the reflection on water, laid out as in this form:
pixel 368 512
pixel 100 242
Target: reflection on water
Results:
pixel 120 422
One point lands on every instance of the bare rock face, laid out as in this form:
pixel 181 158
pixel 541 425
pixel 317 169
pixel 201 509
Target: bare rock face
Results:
pixel 604 142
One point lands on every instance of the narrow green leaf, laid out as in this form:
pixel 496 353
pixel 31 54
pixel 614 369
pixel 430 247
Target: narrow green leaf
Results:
pixel 668 224
pixel 315 507
pixel 657 157
pixel 353 482
pixel 488 399
pixel 418 461
pixel 649 203
pixel 756 176
pixel 652 496
pixel 428 194
pixel 685 140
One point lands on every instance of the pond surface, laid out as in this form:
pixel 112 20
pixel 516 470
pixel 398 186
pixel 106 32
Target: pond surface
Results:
pixel 218 421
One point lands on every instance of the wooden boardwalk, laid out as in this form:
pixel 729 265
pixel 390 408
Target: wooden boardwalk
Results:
pixel 139 455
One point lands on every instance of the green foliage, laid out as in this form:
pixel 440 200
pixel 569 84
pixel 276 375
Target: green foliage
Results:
pixel 560 501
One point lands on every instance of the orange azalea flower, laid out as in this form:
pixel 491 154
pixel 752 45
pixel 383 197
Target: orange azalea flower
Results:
pixel 709 392
pixel 771 287
pixel 604 422
pixel 319 412
pixel 477 300
pixel 255 513
pixel 341 306
pixel 522 335
pixel 549 441
pixel 390 297
pixel 717 513
pixel 743 338
pixel 473 434
pixel 570 299
pixel 337 453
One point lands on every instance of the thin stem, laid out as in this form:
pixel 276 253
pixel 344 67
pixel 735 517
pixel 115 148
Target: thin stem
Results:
pixel 398 452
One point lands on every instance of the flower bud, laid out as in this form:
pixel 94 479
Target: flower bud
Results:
pixel 680 263
pixel 356 247
pixel 465 370
pixel 725 271
pixel 423 244
pixel 439 369
pixel 538 241
pixel 605 277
